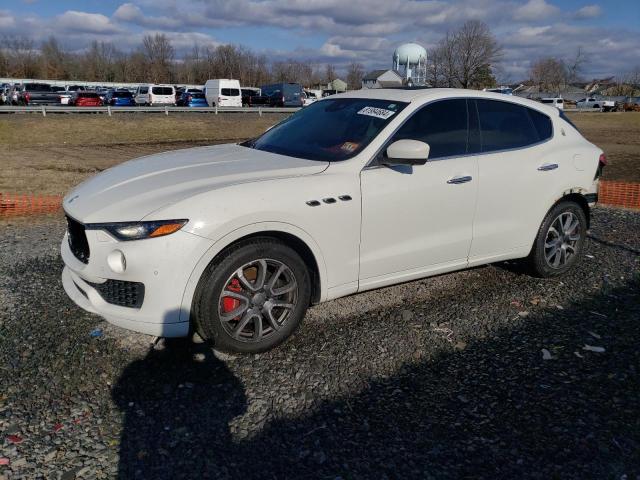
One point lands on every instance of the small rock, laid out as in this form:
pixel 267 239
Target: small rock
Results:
pixel 546 355
pixel 523 314
pixel 460 345
pixel 591 348
pixel 407 315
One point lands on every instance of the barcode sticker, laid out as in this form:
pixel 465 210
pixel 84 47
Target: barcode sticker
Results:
pixel 376 112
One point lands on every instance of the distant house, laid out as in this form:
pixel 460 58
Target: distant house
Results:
pixel 337 85
pixel 382 79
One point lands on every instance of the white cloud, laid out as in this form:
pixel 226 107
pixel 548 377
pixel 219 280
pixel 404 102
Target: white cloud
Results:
pixel 75 21
pixel 6 20
pixel 589 11
pixel 535 10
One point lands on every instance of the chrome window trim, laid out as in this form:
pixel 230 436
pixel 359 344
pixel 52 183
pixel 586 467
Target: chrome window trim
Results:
pixel 370 165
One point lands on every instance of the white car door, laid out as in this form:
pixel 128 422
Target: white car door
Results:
pixel 520 172
pixel 418 220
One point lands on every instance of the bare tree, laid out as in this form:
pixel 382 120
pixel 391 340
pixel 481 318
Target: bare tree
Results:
pixel 53 60
pixel 475 49
pixel 159 55
pixel 22 57
pixel 355 73
pixel 574 67
pixel 330 73
pixel 550 74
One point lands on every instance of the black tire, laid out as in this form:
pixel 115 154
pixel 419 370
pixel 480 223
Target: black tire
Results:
pixel 207 299
pixel 538 263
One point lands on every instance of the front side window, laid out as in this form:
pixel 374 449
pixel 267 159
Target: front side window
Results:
pixel 443 125
pixel 505 125
pixel 144 90
pixel 329 130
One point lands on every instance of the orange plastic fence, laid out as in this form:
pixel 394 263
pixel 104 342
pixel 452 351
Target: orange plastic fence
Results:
pixel 13 205
pixel 620 194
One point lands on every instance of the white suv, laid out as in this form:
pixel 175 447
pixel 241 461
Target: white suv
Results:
pixel 357 191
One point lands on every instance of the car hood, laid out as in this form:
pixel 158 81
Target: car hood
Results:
pixel 133 190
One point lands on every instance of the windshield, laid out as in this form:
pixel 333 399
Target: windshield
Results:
pixel 121 95
pixel 331 130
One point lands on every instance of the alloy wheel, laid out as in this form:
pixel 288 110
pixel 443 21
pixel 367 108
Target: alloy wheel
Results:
pixel 561 242
pixel 258 299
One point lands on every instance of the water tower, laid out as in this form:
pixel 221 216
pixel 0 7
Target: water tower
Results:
pixel 410 59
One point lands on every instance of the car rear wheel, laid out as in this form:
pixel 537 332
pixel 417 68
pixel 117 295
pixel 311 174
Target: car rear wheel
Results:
pixel 560 240
pixel 253 297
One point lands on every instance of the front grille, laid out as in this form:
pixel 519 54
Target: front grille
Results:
pixel 77 240
pixel 120 292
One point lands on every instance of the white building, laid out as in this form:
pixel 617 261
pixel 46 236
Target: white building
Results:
pixel 382 79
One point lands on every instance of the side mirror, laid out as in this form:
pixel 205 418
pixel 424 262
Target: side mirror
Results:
pixel 407 152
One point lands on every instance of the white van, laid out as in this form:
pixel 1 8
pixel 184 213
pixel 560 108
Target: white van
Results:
pixel 557 102
pixel 155 95
pixel 223 92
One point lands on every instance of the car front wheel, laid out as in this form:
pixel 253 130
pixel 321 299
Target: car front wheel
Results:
pixel 560 240
pixel 253 297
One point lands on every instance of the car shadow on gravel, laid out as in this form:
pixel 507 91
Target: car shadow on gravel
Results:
pixel 496 409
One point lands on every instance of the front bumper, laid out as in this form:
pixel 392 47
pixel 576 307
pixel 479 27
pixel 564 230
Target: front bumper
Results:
pixel 163 265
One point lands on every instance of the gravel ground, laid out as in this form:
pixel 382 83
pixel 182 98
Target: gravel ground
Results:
pixel 486 373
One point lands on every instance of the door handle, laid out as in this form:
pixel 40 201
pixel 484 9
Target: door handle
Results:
pixel 548 166
pixel 456 180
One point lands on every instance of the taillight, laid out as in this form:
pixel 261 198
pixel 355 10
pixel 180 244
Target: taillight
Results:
pixel 27 97
pixel 283 100
pixel 188 98
pixel 602 162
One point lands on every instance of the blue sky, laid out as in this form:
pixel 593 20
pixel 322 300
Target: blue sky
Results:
pixel 340 32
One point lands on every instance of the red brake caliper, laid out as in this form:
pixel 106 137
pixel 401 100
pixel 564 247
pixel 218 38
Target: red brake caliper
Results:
pixel 229 303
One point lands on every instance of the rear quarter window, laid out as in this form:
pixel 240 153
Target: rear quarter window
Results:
pixel 542 124
pixel 505 125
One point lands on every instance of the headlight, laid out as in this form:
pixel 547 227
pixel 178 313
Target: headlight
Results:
pixel 139 230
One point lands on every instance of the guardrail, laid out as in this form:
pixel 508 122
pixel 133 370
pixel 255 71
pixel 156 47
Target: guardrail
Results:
pixel 109 110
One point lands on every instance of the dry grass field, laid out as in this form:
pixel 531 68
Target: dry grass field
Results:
pixel 50 155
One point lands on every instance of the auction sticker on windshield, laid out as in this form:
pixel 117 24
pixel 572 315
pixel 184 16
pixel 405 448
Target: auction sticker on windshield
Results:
pixel 382 113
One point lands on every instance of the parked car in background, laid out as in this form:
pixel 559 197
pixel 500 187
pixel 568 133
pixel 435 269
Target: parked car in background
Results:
pixel 283 94
pixel 15 94
pixel 154 95
pixel 85 99
pixel 120 98
pixel 76 88
pixel 308 97
pixel 192 99
pixel 631 104
pixel 223 92
pixel 236 241
pixel 557 102
pixel 252 97
pixel 594 103
pixel 502 90
pixel 39 94
pixel 5 97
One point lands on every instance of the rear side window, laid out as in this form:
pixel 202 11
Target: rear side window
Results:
pixel 443 125
pixel 162 90
pixel 542 124
pixel 505 125
pixel 230 92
